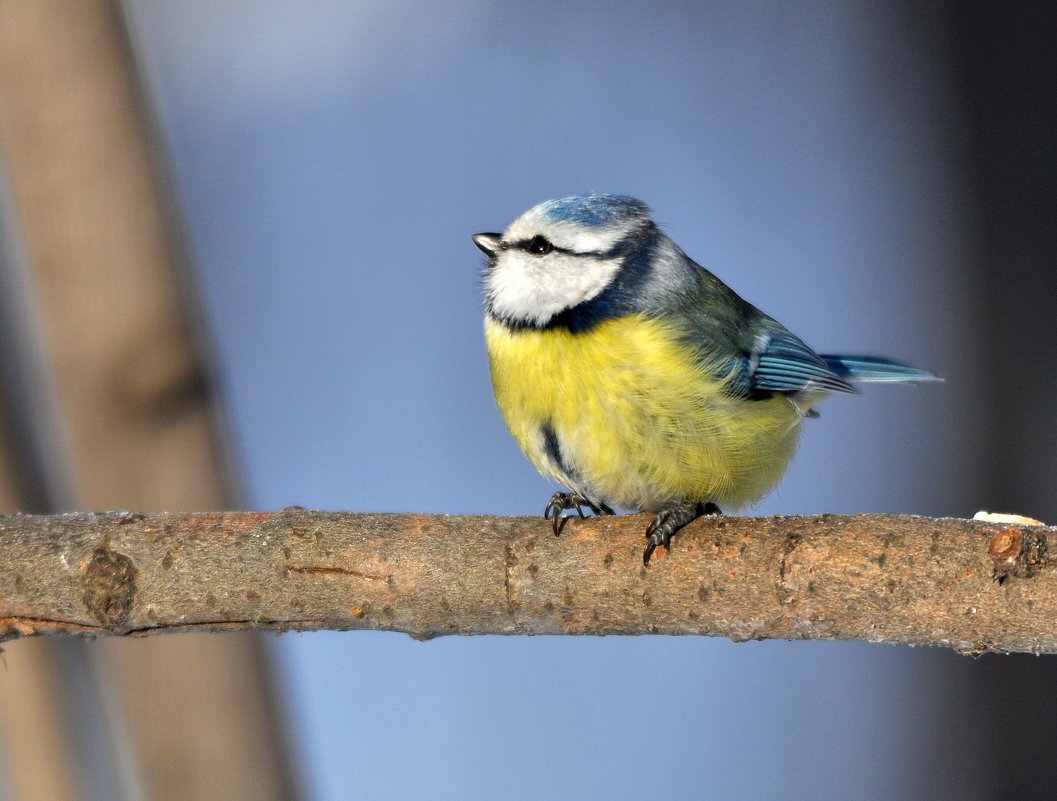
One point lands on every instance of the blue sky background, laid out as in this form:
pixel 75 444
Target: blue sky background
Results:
pixel 330 162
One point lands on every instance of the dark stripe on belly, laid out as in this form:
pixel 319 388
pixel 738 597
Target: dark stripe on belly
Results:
pixel 553 450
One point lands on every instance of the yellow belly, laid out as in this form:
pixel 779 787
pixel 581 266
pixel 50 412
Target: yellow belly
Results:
pixel 639 419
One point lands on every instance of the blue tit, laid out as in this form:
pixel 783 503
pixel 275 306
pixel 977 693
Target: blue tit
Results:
pixel 634 377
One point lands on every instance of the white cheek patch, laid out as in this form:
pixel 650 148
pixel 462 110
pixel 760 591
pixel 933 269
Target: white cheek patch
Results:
pixel 533 289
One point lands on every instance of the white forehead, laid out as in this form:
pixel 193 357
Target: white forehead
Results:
pixel 581 223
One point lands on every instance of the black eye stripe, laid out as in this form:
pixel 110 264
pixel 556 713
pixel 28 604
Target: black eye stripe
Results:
pixel 526 245
pixel 620 248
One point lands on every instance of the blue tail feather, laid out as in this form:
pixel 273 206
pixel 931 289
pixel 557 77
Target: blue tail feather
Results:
pixel 873 368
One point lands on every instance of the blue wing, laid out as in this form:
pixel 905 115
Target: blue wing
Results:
pixel 786 364
pixel 760 356
pixel 781 362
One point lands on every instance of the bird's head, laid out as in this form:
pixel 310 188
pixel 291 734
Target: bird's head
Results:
pixel 561 254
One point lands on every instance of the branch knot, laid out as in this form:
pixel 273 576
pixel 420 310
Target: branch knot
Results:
pixel 109 586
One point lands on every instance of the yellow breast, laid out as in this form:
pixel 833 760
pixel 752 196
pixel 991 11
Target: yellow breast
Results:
pixel 640 419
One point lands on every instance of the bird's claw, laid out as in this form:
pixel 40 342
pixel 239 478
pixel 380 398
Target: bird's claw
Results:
pixel 668 521
pixel 564 501
pixel 655 536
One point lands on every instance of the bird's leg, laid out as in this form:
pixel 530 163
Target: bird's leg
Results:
pixel 669 520
pixel 563 501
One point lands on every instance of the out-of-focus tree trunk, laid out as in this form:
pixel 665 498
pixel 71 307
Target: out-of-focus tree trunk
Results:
pixel 128 396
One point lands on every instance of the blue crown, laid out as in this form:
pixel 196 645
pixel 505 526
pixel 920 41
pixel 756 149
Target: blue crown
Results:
pixel 595 211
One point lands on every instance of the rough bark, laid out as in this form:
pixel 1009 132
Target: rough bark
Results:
pixel 974 586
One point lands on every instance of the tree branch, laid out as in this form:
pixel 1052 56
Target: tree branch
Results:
pixel 974 586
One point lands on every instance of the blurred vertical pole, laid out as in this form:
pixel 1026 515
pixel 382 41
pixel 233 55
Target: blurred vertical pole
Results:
pixel 1008 68
pixel 191 717
pixel 36 758
pixel 38 755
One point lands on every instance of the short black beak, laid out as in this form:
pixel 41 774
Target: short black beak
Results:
pixel 489 243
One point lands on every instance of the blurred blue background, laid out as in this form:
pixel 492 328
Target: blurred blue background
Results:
pixel 330 162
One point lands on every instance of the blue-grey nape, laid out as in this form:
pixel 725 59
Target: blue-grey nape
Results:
pixel 595 211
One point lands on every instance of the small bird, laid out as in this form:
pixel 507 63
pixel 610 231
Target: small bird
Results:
pixel 637 379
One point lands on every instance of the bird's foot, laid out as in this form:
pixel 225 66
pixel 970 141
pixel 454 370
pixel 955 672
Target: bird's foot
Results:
pixel 562 502
pixel 669 520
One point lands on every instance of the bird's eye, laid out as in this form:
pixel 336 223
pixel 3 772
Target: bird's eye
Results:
pixel 539 246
